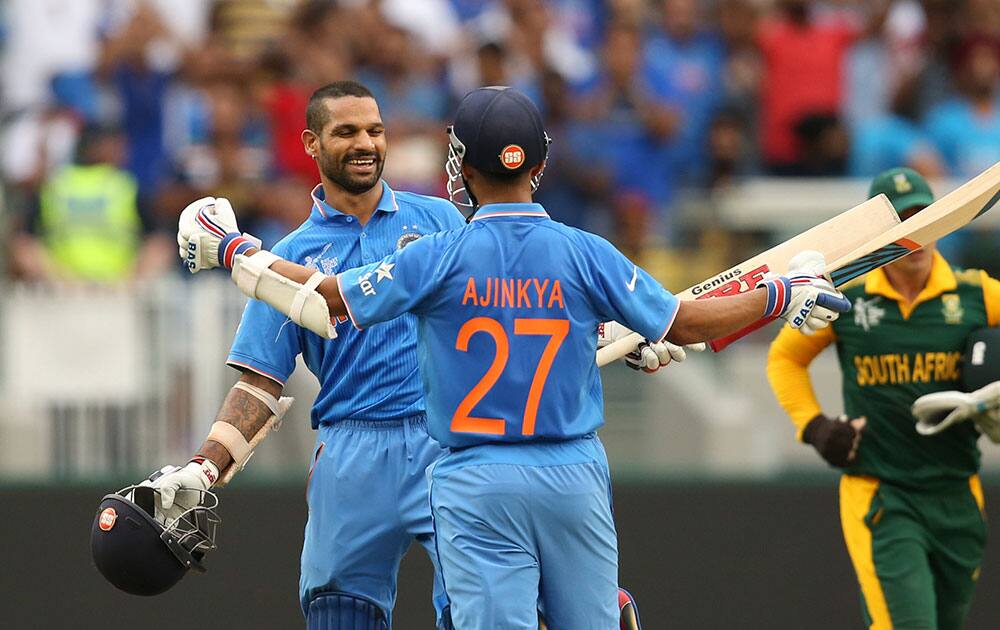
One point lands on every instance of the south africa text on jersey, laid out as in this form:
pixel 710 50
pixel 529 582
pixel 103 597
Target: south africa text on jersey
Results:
pixel 897 369
pixel 513 292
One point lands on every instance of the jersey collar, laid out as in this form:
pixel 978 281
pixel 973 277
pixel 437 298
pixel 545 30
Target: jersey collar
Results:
pixel 942 279
pixel 493 210
pixel 322 211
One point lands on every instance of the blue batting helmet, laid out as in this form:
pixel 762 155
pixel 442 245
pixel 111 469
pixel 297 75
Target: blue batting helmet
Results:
pixel 497 130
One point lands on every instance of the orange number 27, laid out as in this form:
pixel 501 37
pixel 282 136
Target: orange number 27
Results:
pixel 556 329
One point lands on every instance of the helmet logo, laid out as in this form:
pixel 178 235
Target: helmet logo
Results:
pixel 512 156
pixel 108 518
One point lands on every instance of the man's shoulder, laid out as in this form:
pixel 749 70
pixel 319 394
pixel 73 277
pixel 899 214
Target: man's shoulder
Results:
pixel 968 277
pixel 434 207
pixel 580 239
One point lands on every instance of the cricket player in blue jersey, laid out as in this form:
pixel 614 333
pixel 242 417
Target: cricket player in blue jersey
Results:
pixel 367 492
pixel 507 309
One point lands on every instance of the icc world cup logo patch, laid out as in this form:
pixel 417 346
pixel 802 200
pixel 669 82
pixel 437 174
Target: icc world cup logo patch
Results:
pixel 107 520
pixel 406 239
pixel 512 156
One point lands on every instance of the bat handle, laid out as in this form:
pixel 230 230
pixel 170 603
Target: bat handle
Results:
pixel 835 303
pixel 618 349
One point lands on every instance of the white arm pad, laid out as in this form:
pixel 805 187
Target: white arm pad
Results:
pixel 260 394
pixel 230 437
pixel 300 302
pixel 250 268
pixel 235 443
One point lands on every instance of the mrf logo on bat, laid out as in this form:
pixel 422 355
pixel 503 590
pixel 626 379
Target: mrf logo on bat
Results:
pixel 732 282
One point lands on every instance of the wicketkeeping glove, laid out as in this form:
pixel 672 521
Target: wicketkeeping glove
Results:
pixel 835 439
pixel 803 297
pixel 937 411
pixel 207 235
pixel 648 356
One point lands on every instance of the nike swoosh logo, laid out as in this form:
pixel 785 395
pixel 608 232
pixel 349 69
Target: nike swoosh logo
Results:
pixel 630 285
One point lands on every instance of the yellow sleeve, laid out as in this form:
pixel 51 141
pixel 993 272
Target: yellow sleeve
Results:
pixel 991 296
pixel 788 372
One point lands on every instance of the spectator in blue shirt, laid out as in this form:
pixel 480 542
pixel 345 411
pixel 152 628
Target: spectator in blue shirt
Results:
pixel 626 125
pixel 966 129
pixel 684 65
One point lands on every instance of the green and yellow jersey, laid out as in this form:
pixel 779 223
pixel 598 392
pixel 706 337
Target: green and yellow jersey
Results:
pixel 892 351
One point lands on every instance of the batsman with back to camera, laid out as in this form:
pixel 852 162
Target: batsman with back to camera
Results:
pixel 507 309
pixel 367 492
pixel 911 504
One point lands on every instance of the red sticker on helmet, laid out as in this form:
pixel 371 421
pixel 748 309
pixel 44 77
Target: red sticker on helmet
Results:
pixel 108 518
pixel 512 156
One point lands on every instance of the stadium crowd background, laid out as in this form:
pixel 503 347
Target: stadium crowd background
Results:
pixel 114 114
pixel 164 101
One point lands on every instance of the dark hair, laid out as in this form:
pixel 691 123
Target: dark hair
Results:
pixel 317 114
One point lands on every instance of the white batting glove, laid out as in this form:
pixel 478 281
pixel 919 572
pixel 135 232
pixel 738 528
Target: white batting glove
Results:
pixel 803 297
pixel 648 356
pixel 179 489
pixel 207 235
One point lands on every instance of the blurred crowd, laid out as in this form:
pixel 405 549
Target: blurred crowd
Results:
pixel 117 113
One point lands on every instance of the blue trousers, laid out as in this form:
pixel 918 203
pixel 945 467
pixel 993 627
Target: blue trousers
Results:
pixel 367 496
pixel 527 527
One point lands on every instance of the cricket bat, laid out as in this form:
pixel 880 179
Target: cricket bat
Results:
pixel 854 243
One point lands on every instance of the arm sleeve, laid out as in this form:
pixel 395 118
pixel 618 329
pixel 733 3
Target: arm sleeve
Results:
pixel 397 284
pixel 626 293
pixel 991 296
pixel 788 372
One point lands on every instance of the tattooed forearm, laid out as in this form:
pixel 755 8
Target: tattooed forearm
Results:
pixel 243 411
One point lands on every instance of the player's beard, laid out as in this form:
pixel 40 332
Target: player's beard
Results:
pixel 338 171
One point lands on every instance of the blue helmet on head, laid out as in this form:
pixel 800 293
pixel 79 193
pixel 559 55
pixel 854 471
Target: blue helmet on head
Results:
pixel 497 130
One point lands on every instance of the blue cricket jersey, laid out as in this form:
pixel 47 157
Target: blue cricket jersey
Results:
pixel 370 375
pixel 508 308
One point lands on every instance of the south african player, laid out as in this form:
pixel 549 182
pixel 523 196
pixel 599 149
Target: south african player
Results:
pixel 911 506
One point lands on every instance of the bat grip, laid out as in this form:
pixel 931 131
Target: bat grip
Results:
pixel 618 349
pixel 834 303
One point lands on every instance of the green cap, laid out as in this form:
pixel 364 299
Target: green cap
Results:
pixel 904 187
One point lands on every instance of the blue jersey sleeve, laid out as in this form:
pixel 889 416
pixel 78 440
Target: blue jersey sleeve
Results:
pixel 266 342
pixel 397 284
pixel 622 291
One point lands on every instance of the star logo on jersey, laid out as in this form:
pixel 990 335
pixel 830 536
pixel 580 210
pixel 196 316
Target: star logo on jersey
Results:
pixel 318 263
pixel 951 308
pixel 866 314
pixel 384 271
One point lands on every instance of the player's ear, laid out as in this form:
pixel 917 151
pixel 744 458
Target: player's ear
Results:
pixel 537 170
pixel 310 142
pixel 468 172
